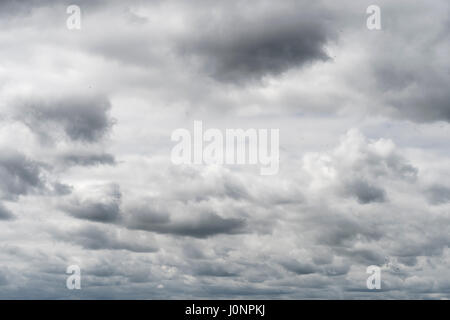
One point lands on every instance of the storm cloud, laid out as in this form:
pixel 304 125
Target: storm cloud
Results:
pixel 233 49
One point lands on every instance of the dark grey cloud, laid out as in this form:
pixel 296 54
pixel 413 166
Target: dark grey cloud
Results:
pixel 366 193
pixel 298 267
pixel 19 175
pixel 79 118
pixel 144 217
pixel 202 226
pixel 5 214
pixel 94 211
pixel 106 208
pixel 87 159
pixel 231 47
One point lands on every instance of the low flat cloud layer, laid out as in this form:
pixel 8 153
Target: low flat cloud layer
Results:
pixel 86 179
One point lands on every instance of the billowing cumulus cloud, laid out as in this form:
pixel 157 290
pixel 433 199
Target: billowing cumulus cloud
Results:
pixel 102 204
pixel 86 118
pixel 359 168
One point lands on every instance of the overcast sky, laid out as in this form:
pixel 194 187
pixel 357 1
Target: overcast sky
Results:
pixel 86 177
